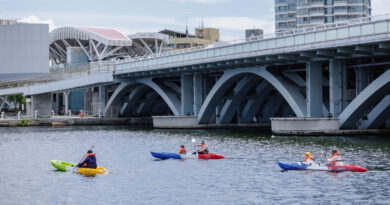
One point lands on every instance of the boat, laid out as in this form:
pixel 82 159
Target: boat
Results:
pixel 317 167
pixel 68 166
pixel 170 155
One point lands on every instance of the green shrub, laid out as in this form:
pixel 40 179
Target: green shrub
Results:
pixel 24 122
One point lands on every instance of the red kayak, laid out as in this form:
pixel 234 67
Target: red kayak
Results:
pixel 210 156
pixel 348 167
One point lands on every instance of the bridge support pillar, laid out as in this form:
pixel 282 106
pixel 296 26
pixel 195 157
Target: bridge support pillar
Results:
pixel 66 102
pixel 102 98
pixel 337 87
pixel 198 92
pixel 40 103
pixel 187 94
pixel 314 89
pixel 361 79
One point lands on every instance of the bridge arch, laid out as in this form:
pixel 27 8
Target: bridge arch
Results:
pixel 289 91
pixel 372 94
pixel 168 96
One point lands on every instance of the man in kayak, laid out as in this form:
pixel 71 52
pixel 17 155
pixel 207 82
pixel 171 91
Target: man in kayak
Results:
pixel 89 160
pixel 182 150
pixel 335 159
pixel 309 160
pixel 203 149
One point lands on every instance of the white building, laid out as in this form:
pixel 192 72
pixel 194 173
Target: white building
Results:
pixel 23 50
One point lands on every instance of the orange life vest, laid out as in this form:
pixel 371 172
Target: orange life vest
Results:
pixel 203 146
pixel 311 157
pixel 88 155
pixel 335 154
pixel 182 150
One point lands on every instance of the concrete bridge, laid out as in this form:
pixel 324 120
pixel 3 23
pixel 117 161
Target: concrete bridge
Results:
pixel 336 71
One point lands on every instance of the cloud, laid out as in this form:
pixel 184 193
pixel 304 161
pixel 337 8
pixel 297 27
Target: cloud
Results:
pixel 34 19
pixel 380 7
pixel 198 1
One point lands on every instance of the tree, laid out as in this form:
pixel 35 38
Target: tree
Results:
pixel 15 99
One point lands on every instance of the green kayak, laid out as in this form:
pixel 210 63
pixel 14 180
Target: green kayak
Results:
pixel 62 166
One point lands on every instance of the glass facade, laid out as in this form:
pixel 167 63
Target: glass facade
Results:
pixel 291 14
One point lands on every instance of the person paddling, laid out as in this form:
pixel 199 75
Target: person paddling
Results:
pixel 89 160
pixel 335 159
pixel 182 150
pixel 203 149
pixel 309 159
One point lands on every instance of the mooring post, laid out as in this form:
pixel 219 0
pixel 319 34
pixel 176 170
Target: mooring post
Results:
pixel 19 115
pixel 35 114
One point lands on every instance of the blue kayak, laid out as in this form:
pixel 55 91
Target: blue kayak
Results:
pixel 292 166
pixel 166 155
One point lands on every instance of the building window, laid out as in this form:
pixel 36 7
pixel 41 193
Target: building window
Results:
pixel 183 45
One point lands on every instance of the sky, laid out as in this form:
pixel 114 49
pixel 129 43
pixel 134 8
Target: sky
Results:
pixel 232 17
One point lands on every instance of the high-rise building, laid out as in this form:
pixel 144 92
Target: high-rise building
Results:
pixel 291 14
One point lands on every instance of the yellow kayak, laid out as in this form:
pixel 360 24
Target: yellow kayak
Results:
pixel 90 171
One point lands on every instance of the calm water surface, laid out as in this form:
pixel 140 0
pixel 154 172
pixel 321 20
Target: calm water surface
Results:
pixel 248 175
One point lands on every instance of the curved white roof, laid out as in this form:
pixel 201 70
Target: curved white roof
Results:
pixel 109 37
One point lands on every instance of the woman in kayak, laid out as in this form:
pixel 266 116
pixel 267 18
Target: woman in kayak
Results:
pixel 182 150
pixel 335 159
pixel 203 149
pixel 89 160
pixel 309 160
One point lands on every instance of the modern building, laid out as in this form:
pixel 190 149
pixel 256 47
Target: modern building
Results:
pixel 203 36
pixel 291 14
pixel 23 49
pixel 7 21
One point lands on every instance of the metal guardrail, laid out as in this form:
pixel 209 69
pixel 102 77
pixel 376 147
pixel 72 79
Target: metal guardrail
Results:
pixel 63 72
pixel 59 74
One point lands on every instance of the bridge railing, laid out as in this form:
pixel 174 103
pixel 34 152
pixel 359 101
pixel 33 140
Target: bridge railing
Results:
pixel 59 73
pixel 274 39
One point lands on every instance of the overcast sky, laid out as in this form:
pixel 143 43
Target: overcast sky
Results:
pixel 232 17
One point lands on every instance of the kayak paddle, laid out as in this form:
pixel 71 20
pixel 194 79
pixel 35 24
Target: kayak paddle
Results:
pixel 82 158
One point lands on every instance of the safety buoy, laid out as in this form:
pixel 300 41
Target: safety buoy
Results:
pixel 82 115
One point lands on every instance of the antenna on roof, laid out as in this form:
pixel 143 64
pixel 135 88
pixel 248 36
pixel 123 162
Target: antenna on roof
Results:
pixel 186 26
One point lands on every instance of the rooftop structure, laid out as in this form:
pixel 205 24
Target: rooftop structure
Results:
pixel 96 43
pixel 148 43
pixel 291 14
pixel 203 36
pixel 253 32
pixel 176 34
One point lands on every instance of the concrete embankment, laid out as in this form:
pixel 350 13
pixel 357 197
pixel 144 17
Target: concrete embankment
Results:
pixel 191 122
pixel 317 127
pixel 69 121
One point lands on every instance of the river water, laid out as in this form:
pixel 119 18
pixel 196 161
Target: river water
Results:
pixel 248 175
